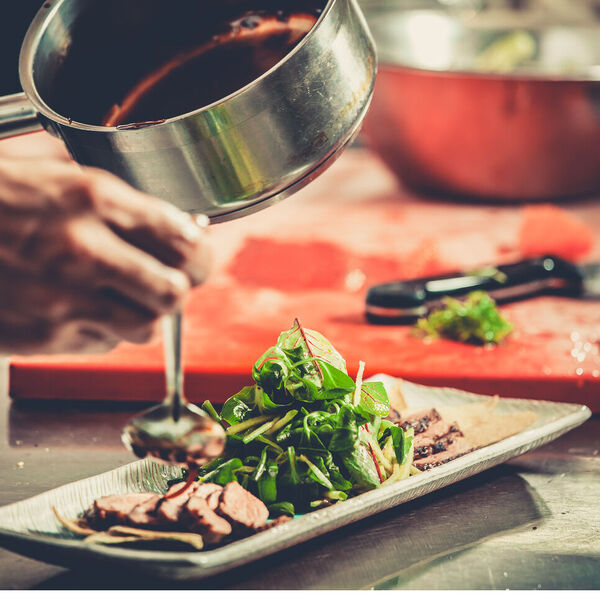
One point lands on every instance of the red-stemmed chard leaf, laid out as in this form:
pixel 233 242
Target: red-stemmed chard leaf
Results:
pixel 374 399
pixel 313 345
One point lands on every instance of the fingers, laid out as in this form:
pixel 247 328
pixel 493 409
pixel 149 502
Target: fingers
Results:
pixel 92 259
pixel 45 318
pixel 98 259
pixel 49 194
pixel 70 338
pixel 154 226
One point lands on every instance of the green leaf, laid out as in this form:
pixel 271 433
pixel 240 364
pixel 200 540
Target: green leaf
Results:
pixel 407 441
pixel 283 508
pixel 237 407
pixel 225 473
pixel 374 399
pixel 337 480
pixel 401 440
pixel 267 483
pixel 266 405
pixel 292 464
pixel 271 369
pixel 384 431
pixel 260 467
pixel 336 495
pixel 289 432
pixel 474 320
pixel 359 464
pixel 311 443
pixel 315 473
pixel 335 383
pixel 257 432
pixel 210 410
pixel 312 343
pixel 345 434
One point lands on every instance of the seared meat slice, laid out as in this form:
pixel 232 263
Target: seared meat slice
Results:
pixel 208 509
pixel 144 514
pixel 420 421
pixel 214 499
pixel 273 523
pixel 457 448
pixel 245 511
pixel 211 492
pixel 437 438
pixel 198 517
pixel 205 489
pixel 170 508
pixel 115 509
pixel 422 451
pixel 175 489
pixel 437 430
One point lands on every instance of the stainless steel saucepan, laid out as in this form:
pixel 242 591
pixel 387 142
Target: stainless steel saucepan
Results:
pixel 241 153
pixel 253 147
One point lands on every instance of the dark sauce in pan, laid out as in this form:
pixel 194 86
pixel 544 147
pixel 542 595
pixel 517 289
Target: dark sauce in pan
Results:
pixel 242 51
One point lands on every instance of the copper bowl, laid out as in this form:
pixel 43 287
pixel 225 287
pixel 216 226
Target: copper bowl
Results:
pixel 447 120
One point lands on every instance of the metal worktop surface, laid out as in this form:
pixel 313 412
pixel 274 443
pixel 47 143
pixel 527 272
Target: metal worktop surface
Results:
pixel 532 523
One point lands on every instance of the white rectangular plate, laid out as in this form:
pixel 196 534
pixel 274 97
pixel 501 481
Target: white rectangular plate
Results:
pixel 30 528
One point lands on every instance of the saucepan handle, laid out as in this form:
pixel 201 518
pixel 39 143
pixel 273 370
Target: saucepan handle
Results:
pixel 17 116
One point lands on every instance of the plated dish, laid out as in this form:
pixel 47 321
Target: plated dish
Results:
pixel 30 527
pixel 304 436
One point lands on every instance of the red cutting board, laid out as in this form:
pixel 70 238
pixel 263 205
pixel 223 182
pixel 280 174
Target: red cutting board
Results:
pixel 313 257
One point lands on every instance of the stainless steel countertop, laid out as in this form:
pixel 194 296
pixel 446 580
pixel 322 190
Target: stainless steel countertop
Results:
pixel 532 523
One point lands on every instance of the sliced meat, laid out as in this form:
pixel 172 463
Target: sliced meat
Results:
pixel 420 421
pixel 432 447
pixel 436 440
pixel 457 448
pixel 205 489
pixel 273 523
pixel 214 499
pixel 144 514
pixel 436 431
pixel 245 511
pixel 170 508
pixel 438 437
pixel 198 517
pixel 115 509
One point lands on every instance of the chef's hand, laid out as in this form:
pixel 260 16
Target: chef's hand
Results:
pixel 86 260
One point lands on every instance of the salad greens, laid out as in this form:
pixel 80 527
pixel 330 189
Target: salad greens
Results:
pixel 306 434
pixel 475 320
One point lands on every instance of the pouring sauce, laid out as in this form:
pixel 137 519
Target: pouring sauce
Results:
pixel 247 47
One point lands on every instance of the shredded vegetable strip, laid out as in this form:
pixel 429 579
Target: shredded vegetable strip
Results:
pixel 270 443
pixel 359 377
pixel 242 426
pixel 380 456
pixel 282 421
pixel 257 432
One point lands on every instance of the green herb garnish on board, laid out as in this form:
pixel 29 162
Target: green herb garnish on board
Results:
pixel 306 434
pixel 474 320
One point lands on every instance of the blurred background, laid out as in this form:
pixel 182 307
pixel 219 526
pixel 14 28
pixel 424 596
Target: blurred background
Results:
pixel 494 99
